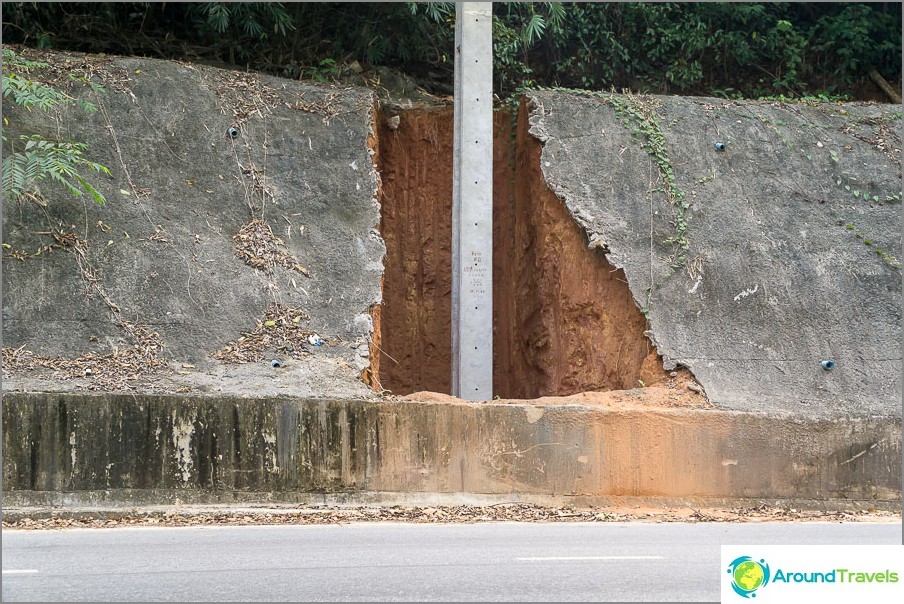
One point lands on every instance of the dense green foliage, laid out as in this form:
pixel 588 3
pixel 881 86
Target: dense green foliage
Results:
pixel 726 49
pixel 720 48
pixel 29 159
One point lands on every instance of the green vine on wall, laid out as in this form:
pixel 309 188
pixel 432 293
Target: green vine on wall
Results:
pixel 887 258
pixel 638 114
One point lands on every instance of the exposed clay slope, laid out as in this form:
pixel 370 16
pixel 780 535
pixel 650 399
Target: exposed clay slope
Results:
pixel 415 163
pixel 564 320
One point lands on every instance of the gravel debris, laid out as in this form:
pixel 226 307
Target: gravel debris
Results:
pixel 244 94
pixel 258 247
pixel 458 514
pixel 280 332
pixel 107 372
pixel 66 69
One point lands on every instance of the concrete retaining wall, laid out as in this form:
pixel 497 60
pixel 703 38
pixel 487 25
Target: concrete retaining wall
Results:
pixel 295 185
pixel 791 248
pixel 792 237
pixel 153 449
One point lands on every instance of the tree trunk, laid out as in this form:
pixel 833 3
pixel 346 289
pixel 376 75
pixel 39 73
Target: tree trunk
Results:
pixel 892 94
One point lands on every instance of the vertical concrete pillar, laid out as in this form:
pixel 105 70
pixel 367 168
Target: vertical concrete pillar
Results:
pixel 472 204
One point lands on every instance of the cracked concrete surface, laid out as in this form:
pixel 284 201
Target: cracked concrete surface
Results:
pixel 776 278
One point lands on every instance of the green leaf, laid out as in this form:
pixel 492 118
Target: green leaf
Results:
pixel 533 30
pixel 556 13
pixel 44 159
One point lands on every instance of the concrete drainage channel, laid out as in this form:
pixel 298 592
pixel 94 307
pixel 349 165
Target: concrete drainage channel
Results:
pixel 620 378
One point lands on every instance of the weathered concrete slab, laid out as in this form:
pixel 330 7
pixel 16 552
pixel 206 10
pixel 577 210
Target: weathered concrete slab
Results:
pixel 778 274
pixel 162 248
pixel 146 449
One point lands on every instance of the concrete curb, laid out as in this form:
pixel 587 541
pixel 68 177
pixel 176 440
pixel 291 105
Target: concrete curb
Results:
pixel 115 450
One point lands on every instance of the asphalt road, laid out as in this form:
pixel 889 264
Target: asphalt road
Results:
pixel 383 561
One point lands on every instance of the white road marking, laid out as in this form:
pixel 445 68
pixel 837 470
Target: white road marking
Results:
pixel 539 558
pixel 24 571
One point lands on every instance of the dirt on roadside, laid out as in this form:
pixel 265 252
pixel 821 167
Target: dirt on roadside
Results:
pixel 456 514
pixel 679 390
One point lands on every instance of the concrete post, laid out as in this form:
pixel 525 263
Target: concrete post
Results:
pixel 472 204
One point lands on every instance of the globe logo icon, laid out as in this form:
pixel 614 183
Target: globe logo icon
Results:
pixel 748 575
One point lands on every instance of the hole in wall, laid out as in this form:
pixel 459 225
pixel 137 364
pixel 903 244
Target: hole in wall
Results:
pixel 415 164
pixel 564 319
